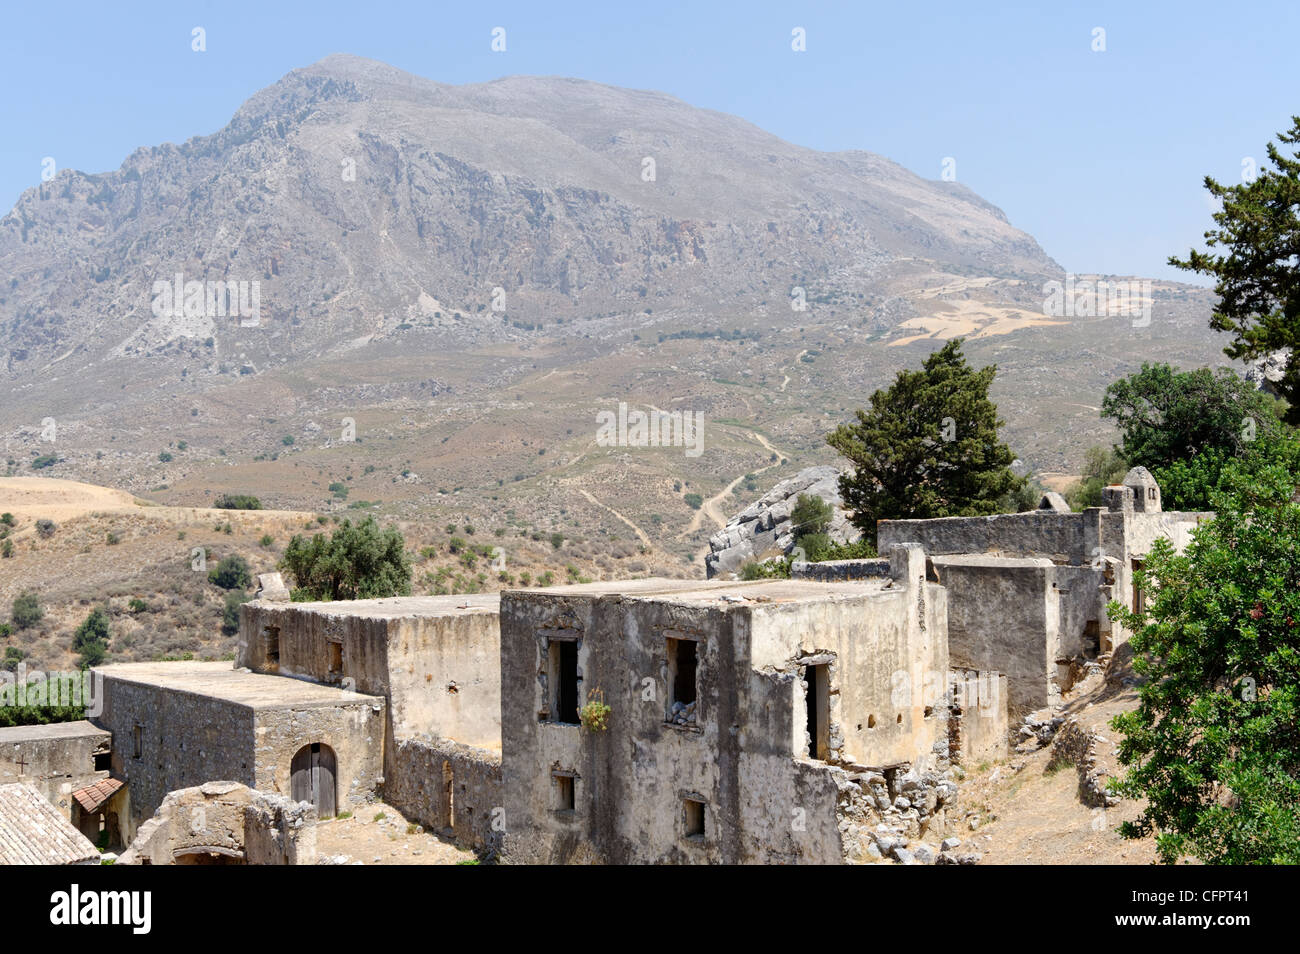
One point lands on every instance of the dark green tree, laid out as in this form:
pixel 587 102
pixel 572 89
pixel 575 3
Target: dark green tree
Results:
pixel 90 641
pixel 354 562
pixel 927 447
pixel 1186 427
pixel 1214 745
pixel 231 573
pixel 1257 278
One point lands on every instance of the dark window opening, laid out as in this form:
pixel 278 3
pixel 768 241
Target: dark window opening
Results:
pixel 336 659
pixel 563 792
pixel 693 817
pixel 1091 639
pixel 273 645
pixel 1139 598
pixel 137 741
pixel 564 680
pixel 683 656
pixel 104 761
pixel 817 701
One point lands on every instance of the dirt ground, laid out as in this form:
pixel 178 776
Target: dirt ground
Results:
pixel 378 834
pixel 1029 812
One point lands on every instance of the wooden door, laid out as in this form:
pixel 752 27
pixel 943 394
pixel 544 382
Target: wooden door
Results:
pixel 312 778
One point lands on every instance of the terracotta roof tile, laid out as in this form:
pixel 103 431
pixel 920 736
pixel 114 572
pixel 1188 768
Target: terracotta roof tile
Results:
pixel 92 797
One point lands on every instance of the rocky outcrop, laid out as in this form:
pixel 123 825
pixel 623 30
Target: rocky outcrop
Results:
pixel 764 527
pixel 1267 372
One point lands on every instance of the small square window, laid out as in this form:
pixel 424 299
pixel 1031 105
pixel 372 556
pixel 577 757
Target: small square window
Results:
pixel 693 817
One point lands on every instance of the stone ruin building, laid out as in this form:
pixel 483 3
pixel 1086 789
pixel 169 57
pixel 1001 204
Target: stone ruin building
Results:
pixel 808 720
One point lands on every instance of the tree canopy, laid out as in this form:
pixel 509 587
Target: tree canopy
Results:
pixel 1196 431
pixel 1257 280
pixel 927 447
pixel 355 562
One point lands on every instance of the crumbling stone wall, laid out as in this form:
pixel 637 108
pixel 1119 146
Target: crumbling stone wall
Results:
pixel 1004 615
pixel 229 821
pixel 978 727
pixel 449 787
pixel 839 571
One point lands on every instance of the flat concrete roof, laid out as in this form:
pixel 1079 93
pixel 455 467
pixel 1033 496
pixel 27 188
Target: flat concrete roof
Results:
pixel 221 681
pixel 396 607
pixel 11 735
pixel 720 593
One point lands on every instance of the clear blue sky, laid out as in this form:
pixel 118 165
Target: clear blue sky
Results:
pixel 1099 155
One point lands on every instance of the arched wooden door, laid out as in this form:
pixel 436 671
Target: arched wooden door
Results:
pixel 314 769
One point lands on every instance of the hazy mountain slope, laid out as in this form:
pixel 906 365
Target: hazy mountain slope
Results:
pixel 532 185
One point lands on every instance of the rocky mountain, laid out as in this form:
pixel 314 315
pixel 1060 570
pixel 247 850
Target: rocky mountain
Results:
pixel 363 201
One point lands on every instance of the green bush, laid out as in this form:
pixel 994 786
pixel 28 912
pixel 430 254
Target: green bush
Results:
pixel 137 605
pixel 1212 749
pixel 45 528
pixel 237 502
pixel 90 641
pixel 27 610
pixel 694 501
pixel 231 573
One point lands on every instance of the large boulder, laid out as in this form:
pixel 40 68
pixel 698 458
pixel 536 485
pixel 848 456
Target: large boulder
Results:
pixel 764 528
pixel 1267 372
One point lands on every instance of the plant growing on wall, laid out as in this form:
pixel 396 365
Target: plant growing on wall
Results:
pixel 594 716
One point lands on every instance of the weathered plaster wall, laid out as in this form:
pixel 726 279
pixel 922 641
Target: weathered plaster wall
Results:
pixel 745 756
pixel 303 634
pixel 977 720
pixel 445 677
pixel 1060 537
pixel 1004 615
pixel 449 787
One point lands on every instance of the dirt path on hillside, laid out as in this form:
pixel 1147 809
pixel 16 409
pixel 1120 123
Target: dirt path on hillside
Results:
pixel 641 535
pixel 786 378
pixel 711 508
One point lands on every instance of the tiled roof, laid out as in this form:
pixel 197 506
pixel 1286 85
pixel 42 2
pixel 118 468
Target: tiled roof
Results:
pixel 34 832
pixel 93 796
